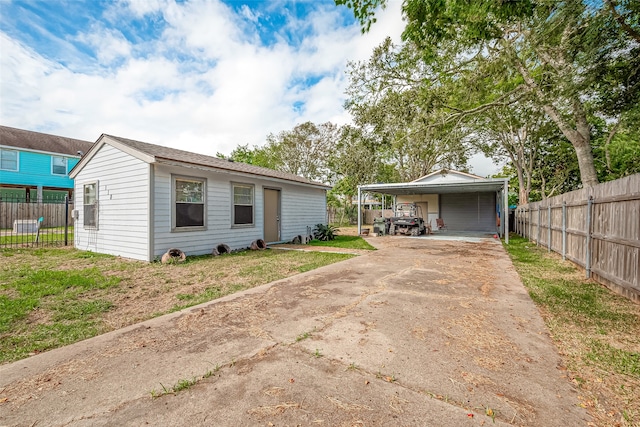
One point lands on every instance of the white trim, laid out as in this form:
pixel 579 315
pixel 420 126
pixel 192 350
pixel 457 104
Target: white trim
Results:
pixel 66 165
pixel 50 153
pixel 233 204
pixel 104 139
pixel 17 169
pixel 151 214
pixel 178 177
pixel 447 172
pixel 96 203
pixel 238 173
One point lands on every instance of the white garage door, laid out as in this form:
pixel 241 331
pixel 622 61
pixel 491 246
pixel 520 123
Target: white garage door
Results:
pixel 469 211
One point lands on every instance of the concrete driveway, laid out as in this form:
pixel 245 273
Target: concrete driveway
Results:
pixel 421 332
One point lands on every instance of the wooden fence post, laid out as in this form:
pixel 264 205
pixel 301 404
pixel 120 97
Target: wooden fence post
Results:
pixel 588 240
pixel 539 228
pixel 564 230
pixel 549 222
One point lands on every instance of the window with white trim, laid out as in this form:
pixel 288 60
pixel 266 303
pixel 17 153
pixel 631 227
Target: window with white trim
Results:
pixel 242 204
pixel 58 165
pixel 189 203
pixel 8 160
pixel 90 204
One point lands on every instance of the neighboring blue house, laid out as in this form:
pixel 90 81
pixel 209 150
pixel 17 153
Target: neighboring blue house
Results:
pixel 35 166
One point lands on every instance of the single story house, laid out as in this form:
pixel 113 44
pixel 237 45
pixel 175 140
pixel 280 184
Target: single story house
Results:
pixel 138 200
pixel 466 202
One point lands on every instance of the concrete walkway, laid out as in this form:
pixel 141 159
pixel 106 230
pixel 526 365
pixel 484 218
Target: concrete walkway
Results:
pixel 419 333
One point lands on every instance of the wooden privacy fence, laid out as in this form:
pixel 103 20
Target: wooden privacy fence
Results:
pixel 47 222
pixel 597 228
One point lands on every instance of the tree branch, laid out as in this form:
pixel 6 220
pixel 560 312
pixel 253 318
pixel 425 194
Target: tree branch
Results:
pixel 620 19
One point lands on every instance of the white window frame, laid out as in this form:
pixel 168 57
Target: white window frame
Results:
pixel 66 165
pixel 252 187
pixel 5 150
pixel 93 226
pixel 174 203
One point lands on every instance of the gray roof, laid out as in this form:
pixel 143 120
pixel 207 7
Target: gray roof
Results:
pixel 410 188
pixel 29 140
pixel 172 154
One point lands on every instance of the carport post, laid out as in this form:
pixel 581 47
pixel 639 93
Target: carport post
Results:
pixel 359 213
pixel 505 218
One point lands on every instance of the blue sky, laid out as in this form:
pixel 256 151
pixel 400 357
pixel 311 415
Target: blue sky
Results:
pixel 202 75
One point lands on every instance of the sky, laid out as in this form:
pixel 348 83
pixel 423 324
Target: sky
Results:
pixel 199 75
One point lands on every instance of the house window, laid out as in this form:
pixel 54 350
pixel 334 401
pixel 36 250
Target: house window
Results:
pixel 9 160
pixel 189 202
pixel 242 204
pixel 90 202
pixel 58 165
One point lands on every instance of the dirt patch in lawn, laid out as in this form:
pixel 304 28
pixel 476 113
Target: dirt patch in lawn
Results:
pixel 136 290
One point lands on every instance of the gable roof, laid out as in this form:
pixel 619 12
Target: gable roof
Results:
pixel 444 174
pixel 152 153
pixel 439 183
pixel 37 141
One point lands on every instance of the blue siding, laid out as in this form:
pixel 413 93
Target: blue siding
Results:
pixel 35 169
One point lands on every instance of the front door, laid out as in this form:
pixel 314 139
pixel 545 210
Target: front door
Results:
pixel 271 215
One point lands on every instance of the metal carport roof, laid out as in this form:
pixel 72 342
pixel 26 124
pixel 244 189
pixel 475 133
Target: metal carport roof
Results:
pixel 402 188
pixel 471 186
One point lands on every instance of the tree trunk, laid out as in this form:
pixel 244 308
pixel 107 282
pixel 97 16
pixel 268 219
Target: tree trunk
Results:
pixel 588 172
pixel 523 195
pixel 579 136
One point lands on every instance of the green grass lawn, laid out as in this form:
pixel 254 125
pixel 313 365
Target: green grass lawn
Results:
pixel 596 331
pixel 51 297
pixel 48 236
pixel 347 242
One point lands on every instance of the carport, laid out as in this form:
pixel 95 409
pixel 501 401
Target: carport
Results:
pixel 468 204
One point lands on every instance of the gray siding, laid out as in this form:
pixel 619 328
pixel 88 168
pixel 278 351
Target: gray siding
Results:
pixel 469 211
pixel 301 206
pixel 123 214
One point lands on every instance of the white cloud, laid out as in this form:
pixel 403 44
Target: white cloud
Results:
pixel 109 44
pixel 206 84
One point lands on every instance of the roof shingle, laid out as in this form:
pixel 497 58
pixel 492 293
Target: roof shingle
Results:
pixel 29 140
pixel 173 154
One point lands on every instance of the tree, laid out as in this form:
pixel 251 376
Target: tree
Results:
pixel 556 169
pixel 517 134
pixel 617 145
pixel 257 156
pixel 304 150
pixel 554 47
pixel 387 96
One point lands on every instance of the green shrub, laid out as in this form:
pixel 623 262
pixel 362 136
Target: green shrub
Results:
pixel 325 232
